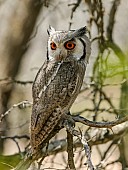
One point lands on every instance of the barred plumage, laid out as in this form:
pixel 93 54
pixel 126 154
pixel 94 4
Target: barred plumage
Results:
pixel 58 81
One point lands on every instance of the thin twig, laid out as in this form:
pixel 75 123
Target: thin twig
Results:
pixel 87 152
pixel 20 105
pixel 15 137
pixel 76 5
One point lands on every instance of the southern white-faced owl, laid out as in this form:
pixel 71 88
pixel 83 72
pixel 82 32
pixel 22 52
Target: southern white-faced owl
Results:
pixel 58 82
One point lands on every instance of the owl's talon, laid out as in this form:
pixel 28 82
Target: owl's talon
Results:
pixel 67 120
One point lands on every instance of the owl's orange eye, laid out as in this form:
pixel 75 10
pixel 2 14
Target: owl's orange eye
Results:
pixel 69 45
pixel 53 46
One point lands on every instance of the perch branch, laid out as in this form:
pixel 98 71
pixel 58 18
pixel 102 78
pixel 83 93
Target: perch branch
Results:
pixel 99 124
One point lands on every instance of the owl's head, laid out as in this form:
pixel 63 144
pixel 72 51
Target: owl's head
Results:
pixel 65 45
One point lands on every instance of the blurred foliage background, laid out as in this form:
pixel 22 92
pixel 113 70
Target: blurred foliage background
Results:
pixel 104 95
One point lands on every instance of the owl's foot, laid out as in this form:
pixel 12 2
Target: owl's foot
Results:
pixel 67 121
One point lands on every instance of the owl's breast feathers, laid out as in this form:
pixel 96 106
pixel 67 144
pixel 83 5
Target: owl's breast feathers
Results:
pixel 55 88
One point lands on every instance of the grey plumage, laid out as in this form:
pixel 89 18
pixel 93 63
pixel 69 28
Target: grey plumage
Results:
pixel 58 81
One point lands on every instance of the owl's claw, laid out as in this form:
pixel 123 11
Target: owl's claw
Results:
pixel 67 121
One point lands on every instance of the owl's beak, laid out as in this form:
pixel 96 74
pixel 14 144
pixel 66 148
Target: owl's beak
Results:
pixel 59 54
pixel 59 57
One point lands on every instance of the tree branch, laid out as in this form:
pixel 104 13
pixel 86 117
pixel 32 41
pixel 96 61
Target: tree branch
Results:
pixel 70 150
pixel 95 136
pixel 99 124
pixel 111 21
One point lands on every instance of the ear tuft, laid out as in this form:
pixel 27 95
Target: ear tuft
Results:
pixel 50 30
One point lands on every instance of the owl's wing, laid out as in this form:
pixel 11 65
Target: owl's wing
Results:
pixel 55 88
pixel 39 81
pixel 42 105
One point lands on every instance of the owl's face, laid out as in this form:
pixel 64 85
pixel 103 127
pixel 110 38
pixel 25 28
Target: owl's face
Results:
pixel 65 45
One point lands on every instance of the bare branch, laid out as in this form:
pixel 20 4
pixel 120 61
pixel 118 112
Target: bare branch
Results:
pixel 10 80
pixel 99 124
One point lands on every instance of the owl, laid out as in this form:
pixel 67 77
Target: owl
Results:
pixel 58 81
